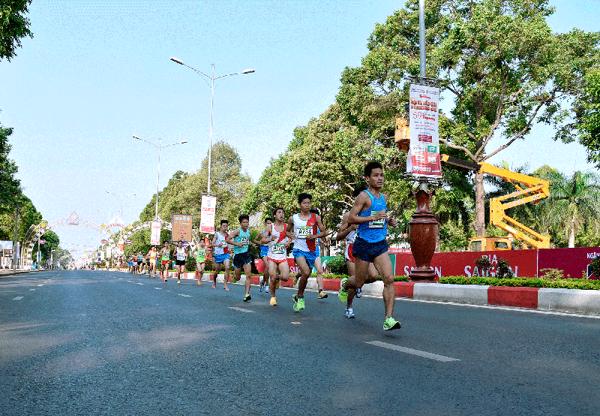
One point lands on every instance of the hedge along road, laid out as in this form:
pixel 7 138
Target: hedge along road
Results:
pixel 86 342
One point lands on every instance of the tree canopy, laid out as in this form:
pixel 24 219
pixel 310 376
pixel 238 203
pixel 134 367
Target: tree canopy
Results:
pixel 14 25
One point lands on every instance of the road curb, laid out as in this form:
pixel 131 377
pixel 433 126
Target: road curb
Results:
pixel 545 299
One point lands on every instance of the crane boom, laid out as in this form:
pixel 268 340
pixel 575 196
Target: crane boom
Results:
pixel 529 189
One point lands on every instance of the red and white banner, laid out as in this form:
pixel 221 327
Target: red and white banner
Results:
pixel 424 152
pixel 155 233
pixel 207 216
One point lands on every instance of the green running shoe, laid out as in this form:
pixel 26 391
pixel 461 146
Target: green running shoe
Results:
pixel 343 293
pixel 298 303
pixel 390 323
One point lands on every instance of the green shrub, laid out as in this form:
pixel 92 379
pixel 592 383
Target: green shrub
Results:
pixel 337 265
pixel 523 282
pixel 190 264
pixel 503 269
pixel 552 274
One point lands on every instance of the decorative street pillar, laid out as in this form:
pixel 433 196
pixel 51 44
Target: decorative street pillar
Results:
pixel 423 234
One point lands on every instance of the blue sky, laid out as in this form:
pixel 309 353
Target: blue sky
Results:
pixel 97 72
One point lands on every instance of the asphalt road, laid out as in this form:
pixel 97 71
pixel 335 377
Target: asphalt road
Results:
pixel 83 342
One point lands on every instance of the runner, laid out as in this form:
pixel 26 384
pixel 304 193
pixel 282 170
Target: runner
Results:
pixel 240 239
pixel 369 212
pixel 165 259
pixel 152 266
pixel 200 255
pixel 277 255
pixel 180 257
pixel 264 251
pixel 348 232
pixel 221 254
pixel 140 263
pixel 305 227
pixel 318 266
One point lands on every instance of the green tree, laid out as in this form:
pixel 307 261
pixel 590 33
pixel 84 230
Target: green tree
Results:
pixel 588 115
pixel 183 194
pixel 574 203
pixel 496 60
pixel 51 242
pixel 14 25
pixel 9 185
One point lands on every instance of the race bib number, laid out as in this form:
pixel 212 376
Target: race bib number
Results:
pixel 279 248
pixel 244 241
pixel 377 223
pixel 304 231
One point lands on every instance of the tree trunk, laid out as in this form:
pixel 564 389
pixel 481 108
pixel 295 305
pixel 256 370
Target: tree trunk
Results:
pixel 572 234
pixel 479 206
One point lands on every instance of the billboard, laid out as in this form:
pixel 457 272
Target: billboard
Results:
pixel 424 151
pixel 155 228
pixel 207 216
pixel 181 227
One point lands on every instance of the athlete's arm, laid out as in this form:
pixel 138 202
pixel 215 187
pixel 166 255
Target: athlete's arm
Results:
pixel 391 220
pixel 230 238
pixel 360 204
pixel 322 229
pixel 345 228
pixel 290 228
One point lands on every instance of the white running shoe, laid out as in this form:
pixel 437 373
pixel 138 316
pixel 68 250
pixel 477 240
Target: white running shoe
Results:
pixel 349 313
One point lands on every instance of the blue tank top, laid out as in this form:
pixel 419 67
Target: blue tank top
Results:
pixel 244 238
pixel 373 231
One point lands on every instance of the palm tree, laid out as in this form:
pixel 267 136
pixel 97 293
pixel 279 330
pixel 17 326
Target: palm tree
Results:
pixel 574 202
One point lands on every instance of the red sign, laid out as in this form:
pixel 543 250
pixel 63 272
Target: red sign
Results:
pixel 572 261
pixel 522 262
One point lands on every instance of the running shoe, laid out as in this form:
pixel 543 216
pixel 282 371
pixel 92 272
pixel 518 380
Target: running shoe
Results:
pixel 273 301
pixel 247 297
pixel 214 286
pixel 178 281
pixel 323 294
pixel 358 292
pixel 266 289
pixel 349 313
pixel 226 289
pixel 298 303
pixel 343 293
pixel 390 323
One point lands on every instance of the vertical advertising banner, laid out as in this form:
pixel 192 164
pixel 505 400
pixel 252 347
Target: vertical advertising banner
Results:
pixel 181 227
pixel 155 233
pixel 424 153
pixel 207 217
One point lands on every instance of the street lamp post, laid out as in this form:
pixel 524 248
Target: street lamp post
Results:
pixel 211 83
pixel 158 146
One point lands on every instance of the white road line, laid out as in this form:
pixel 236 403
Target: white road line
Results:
pixel 40 285
pixel 141 284
pixel 419 353
pixel 235 308
pixel 296 323
pixel 158 288
pixel 18 297
pixel 32 290
pixel 185 296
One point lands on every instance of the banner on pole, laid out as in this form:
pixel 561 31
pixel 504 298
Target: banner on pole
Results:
pixel 424 153
pixel 181 227
pixel 207 217
pixel 155 233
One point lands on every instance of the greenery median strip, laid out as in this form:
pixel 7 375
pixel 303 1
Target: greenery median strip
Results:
pixel 523 282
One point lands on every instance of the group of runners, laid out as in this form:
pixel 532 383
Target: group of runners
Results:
pixel 364 229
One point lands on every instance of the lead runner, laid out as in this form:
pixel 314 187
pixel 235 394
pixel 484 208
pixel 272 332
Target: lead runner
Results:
pixel 370 246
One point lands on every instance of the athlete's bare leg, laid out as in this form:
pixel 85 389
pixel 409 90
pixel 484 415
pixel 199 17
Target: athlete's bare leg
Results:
pixel 304 274
pixel 383 265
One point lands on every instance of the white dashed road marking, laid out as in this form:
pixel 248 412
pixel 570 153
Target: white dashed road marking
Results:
pixel 18 297
pixel 40 285
pixel 141 284
pixel 296 323
pixel 32 290
pixel 235 308
pixel 158 288
pixel 185 296
pixel 419 353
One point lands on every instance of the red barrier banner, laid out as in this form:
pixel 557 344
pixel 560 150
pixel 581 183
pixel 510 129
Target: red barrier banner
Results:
pixel 523 263
pixel 574 262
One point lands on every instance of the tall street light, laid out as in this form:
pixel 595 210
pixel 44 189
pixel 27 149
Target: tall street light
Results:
pixel 210 80
pixel 158 146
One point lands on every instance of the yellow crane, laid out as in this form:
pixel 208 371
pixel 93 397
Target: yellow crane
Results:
pixel 529 189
